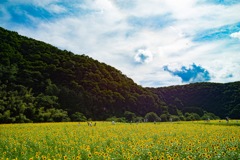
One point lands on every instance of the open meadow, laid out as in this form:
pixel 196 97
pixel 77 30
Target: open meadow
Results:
pixel 73 140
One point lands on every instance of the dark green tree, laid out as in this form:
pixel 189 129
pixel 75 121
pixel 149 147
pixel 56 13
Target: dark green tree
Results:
pixel 129 116
pixel 151 116
pixel 79 117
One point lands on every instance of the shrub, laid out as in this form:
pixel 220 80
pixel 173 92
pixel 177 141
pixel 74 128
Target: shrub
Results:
pixel 79 117
pixel 151 117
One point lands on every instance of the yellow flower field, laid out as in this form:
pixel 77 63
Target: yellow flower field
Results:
pixel 181 140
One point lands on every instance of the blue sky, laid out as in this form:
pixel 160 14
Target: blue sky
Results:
pixel 156 43
pixel 191 74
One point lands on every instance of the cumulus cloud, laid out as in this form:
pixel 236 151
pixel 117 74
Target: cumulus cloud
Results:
pixel 192 74
pixel 143 56
pixel 170 31
pixel 235 35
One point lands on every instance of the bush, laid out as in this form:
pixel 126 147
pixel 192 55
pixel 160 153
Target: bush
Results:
pixel 175 118
pixel 78 117
pixel 138 119
pixel 209 116
pixel 129 116
pixel 164 117
pixel 151 117
pixel 192 116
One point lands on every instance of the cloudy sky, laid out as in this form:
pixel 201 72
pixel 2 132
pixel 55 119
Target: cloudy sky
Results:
pixel 154 42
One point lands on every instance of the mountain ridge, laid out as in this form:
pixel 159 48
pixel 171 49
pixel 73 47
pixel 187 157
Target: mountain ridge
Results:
pixel 222 99
pixel 40 83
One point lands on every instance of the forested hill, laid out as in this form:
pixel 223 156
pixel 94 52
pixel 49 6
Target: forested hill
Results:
pixel 221 99
pixel 39 82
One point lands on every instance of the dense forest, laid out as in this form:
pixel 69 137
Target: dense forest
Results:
pixel 41 83
pixel 221 99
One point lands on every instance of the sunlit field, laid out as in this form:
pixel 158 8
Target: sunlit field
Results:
pixel 176 140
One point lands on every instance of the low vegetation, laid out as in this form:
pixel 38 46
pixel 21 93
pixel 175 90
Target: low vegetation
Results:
pixel 107 140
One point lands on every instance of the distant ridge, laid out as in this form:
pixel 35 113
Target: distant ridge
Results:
pixel 222 99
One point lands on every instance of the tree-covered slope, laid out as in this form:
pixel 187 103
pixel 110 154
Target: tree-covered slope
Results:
pixel 221 99
pixel 40 82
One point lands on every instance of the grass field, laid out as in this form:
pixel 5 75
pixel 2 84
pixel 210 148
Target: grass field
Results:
pixel 181 140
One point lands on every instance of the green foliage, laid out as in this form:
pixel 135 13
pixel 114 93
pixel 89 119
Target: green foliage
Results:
pixel 115 119
pixel 16 104
pixel 164 117
pixel 37 80
pixel 192 116
pixel 59 79
pixel 176 118
pixel 6 117
pixel 151 117
pixel 129 116
pixel 180 115
pixel 235 112
pixel 8 73
pixel 220 99
pixel 79 117
pixel 138 119
pixel 52 115
pixel 209 116
pixel 197 110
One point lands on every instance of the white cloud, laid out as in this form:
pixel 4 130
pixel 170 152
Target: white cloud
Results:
pixel 104 33
pixel 235 35
pixel 41 3
pixel 56 8
pixel 143 56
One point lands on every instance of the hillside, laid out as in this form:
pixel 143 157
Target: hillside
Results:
pixel 221 99
pixel 40 82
